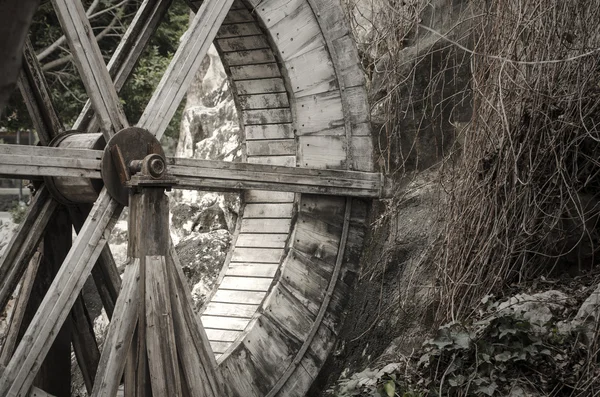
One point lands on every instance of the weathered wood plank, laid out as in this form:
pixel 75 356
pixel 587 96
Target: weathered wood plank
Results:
pixel 248 57
pixel 277 147
pixel 261 86
pixel 266 210
pixel 56 305
pixel 244 43
pixel 322 151
pixel 238 16
pixel 320 113
pixel 230 310
pixel 120 334
pixel 263 101
pixel 84 342
pixel 284 161
pixel 266 226
pixel 220 335
pixel 91 66
pixel 261 240
pixel 24 242
pixel 257 255
pixel 197 361
pixel 271 131
pixel 262 196
pixel 253 72
pixel 49 152
pixel 220 347
pixel 224 323
pixel 312 73
pixel 160 333
pixel 238 296
pixel 238 30
pixel 18 313
pixel 267 116
pixel 183 66
pixel 252 269
pixel 246 283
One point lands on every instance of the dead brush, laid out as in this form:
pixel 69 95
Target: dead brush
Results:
pixel 525 193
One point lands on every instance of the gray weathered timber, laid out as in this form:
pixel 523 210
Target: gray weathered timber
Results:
pixel 16 319
pixel 139 32
pixel 63 292
pixel 183 66
pixel 120 334
pixel 24 243
pixel 84 342
pixel 91 66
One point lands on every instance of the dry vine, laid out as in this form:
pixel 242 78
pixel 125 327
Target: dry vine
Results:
pixel 525 195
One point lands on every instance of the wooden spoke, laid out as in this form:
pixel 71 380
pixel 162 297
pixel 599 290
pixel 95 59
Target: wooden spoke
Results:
pixel 91 66
pixel 54 309
pixel 10 343
pixel 24 243
pixel 84 342
pixel 126 55
pixel 197 360
pixel 29 162
pixel 36 94
pixel 183 67
pixel 119 336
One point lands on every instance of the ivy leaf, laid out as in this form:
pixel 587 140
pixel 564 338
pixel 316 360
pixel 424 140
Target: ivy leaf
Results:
pixel 390 388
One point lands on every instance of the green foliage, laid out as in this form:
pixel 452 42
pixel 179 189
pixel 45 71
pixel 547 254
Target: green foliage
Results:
pixel 17 212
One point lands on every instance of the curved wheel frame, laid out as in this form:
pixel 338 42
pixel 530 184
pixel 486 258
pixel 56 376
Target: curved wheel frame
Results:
pixel 307 245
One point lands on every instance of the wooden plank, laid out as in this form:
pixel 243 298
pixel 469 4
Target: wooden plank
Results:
pixel 265 226
pixel 266 210
pixel 55 307
pixel 263 101
pixel 120 334
pixel 263 196
pixel 298 32
pixel 240 374
pixel 24 243
pixel 197 361
pixel 244 43
pixel 261 86
pixel 266 116
pixel 35 392
pixel 277 147
pixel 284 161
pixel 230 310
pixel 160 333
pixel 261 240
pixel 41 151
pixel 319 113
pixel 238 296
pixel 225 323
pixel 238 30
pixel 245 284
pixel 36 172
pixel 19 310
pixel 84 343
pixel 271 131
pixel 220 347
pixel 183 66
pixel 252 269
pixel 317 238
pixel 253 72
pixel 220 335
pixel 257 255
pixel 91 66
pixel 127 53
pixel 248 57
pixel 322 151
pixel 238 16
pixel 312 73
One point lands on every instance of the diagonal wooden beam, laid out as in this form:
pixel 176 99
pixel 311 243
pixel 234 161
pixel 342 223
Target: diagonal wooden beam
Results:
pixel 56 305
pixel 119 336
pixel 84 342
pixel 91 66
pixel 183 66
pixel 125 57
pixel 198 362
pixel 24 243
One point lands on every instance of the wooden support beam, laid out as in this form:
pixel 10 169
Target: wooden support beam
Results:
pixel 18 314
pixel 54 309
pixel 24 243
pixel 119 336
pixel 91 66
pixel 84 342
pixel 183 66
pixel 198 364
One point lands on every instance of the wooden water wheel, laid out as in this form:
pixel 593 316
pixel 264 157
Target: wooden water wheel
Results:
pixel 272 321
